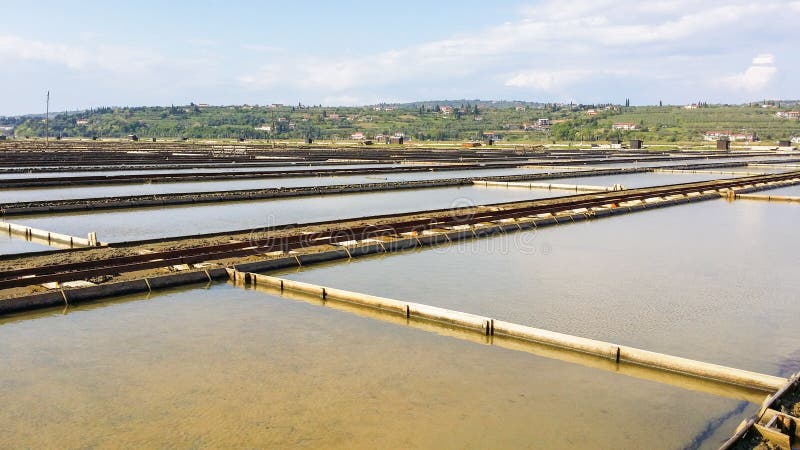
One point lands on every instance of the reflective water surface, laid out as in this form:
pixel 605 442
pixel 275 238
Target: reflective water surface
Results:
pixel 59 193
pixel 229 368
pixel 15 244
pixel 714 281
pixel 789 191
pixel 183 170
pixel 148 223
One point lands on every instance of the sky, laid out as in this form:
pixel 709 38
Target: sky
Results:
pixel 106 53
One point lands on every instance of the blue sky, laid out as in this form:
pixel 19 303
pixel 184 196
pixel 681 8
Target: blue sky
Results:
pixel 93 53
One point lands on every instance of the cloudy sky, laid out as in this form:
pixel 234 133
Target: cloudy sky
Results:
pixel 96 53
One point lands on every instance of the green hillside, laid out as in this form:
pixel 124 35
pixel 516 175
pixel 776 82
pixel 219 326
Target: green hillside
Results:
pixel 452 120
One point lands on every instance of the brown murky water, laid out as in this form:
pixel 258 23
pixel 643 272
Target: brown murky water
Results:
pixel 227 367
pixel 230 368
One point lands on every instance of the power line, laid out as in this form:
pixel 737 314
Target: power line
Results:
pixel 46 121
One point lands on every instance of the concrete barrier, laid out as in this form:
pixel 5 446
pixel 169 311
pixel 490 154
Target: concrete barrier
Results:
pixel 31 302
pixel 491 327
pixel 268 264
pixel 384 314
pixel 66 297
pixel 50 237
pixel 409 309
pixel 311 258
pixel 571 174
pixel 713 172
pixel 549 186
pixel 769 198
pixel 598 348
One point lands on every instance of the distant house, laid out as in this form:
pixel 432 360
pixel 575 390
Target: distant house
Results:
pixel 446 110
pixel 540 125
pixel 264 128
pixel 357 136
pixel 747 137
pixel 717 135
pixel 519 108
pixel 788 114
pixel 626 126
pixel 591 112
pixel 692 106
pixel 82 122
pixel 334 116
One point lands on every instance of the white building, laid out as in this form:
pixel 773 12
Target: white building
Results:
pixel 788 114
pixel 716 135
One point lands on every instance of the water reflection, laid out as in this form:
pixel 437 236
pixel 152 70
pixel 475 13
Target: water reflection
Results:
pixel 226 367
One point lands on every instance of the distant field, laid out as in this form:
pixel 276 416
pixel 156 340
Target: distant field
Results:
pixel 690 124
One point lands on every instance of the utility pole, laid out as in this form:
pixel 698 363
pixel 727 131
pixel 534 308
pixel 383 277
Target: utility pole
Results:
pixel 46 121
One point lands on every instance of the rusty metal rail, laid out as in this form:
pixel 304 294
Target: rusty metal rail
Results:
pixel 392 226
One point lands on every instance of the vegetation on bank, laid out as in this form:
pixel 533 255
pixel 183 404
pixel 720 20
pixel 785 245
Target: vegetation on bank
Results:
pixel 460 120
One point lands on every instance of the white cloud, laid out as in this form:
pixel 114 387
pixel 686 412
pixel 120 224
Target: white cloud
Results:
pixel 764 59
pixel 577 48
pixel 557 80
pixel 12 47
pixel 263 48
pixel 752 79
pixel 546 80
pixel 556 34
pixel 345 100
pixel 109 58
pixel 755 77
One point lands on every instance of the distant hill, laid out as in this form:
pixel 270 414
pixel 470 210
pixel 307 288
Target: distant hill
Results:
pixel 438 120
